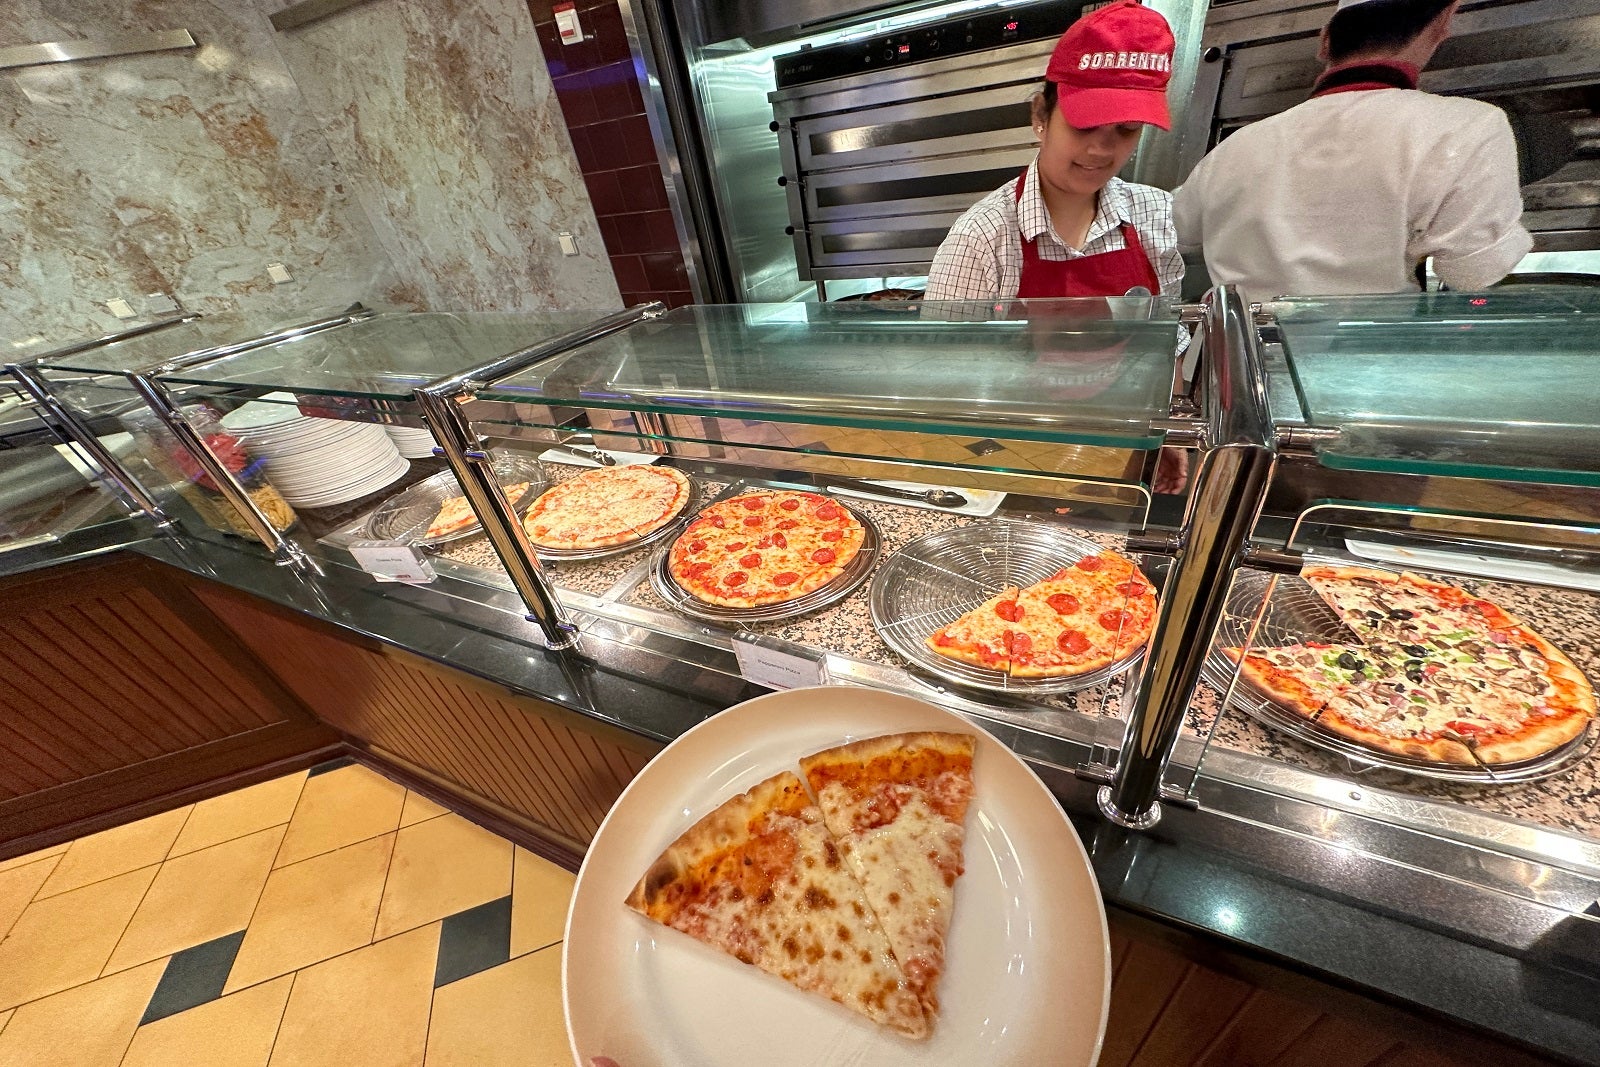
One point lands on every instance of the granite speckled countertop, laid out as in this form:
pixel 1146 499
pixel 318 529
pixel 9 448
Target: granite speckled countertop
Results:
pixel 1567 801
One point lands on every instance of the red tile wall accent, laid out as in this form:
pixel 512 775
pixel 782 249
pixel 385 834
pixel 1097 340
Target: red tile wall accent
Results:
pixel 598 88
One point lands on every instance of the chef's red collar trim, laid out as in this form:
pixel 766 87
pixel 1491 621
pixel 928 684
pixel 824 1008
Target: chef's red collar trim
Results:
pixel 1364 75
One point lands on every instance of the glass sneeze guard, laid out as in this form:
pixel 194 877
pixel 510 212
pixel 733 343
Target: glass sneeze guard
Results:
pixel 385 357
pixel 149 350
pixel 1092 372
pixel 1481 385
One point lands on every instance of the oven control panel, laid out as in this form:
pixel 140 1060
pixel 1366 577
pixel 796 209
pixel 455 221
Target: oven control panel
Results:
pixel 972 32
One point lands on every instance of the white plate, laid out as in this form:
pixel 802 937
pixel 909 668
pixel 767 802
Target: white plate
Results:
pixel 980 502
pixel 1028 976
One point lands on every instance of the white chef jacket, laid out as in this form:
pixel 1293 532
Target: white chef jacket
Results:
pixel 1347 192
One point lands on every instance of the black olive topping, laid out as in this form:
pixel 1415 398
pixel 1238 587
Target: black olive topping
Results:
pixel 1401 613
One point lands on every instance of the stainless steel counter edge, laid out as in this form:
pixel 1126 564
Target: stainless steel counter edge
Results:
pixel 1503 946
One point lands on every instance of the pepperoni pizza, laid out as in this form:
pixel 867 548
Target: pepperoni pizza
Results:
pixel 764 547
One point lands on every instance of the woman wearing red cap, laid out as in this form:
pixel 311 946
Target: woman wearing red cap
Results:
pixel 1068 226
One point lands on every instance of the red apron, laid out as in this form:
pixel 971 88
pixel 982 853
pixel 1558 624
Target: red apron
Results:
pixel 1103 274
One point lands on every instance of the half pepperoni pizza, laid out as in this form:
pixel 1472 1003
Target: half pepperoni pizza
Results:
pixel 1084 617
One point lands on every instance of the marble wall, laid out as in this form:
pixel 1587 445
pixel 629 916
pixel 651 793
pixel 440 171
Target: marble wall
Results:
pixel 407 153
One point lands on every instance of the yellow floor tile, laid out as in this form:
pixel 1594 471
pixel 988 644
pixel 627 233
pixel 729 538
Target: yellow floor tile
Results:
pixel 65 940
pixel 197 898
pixel 440 867
pixel 233 1031
pixel 313 911
pixel 244 811
pixel 17 887
pixel 115 851
pixel 87 1026
pixel 368 1007
pixel 419 809
pixel 340 808
pixel 540 894
pixel 34 857
pixel 507 1014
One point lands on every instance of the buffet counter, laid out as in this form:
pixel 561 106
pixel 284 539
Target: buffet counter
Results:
pixel 1341 899
pixel 506 648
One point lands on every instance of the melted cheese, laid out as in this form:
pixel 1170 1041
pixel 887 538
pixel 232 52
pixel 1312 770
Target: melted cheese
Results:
pixel 811 927
pixel 908 867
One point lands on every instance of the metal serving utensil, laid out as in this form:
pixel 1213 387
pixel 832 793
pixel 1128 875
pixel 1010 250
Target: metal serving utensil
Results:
pixel 939 498
pixel 594 455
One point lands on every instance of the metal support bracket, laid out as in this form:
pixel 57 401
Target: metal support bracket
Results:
pixel 1229 491
pixel 285 551
pixel 1277 560
pixel 1306 440
pixel 443 404
pixel 70 426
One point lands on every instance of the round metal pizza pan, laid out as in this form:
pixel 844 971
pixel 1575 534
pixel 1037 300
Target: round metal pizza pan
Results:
pixel 654 537
pixel 854 573
pixel 406 515
pixel 1296 613
pixel 938 578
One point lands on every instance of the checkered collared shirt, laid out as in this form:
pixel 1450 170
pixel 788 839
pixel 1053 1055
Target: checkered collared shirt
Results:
pixel 981 257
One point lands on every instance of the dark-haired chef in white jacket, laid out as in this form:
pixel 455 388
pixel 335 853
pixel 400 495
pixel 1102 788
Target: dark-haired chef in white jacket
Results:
pixel 1350 191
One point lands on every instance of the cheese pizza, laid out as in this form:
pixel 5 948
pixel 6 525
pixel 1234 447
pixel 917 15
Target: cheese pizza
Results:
pixel 849 896
pixel 455 514
pixel 606 507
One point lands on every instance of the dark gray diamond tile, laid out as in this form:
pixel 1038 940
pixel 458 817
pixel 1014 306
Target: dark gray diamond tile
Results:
pixel 193 977
pixel 474 940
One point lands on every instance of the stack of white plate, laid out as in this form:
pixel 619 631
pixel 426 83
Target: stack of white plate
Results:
pixel 316 463
pixel 414 442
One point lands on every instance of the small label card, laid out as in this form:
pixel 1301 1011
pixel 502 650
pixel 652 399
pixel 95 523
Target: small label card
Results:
pixel 779 664
pixel 393 561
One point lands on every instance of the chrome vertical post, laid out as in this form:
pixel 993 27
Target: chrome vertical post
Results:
pixel 1230 488
pixel 285 551
pixel 69 424
pixel 442 403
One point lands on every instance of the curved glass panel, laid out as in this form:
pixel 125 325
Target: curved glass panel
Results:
pixel 1499 385
pixel 384 357
pixel 1092 372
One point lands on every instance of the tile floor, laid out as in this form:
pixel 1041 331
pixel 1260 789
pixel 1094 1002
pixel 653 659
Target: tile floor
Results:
pixel 327 917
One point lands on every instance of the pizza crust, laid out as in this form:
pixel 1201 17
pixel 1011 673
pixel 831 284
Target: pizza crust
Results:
pixel 1392 614
pixel 607 507
pixel 761 879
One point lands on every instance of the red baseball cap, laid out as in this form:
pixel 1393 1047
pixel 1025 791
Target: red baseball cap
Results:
pixel 1113 66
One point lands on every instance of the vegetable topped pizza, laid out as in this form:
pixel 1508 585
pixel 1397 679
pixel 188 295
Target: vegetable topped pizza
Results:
pixel 1432 673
